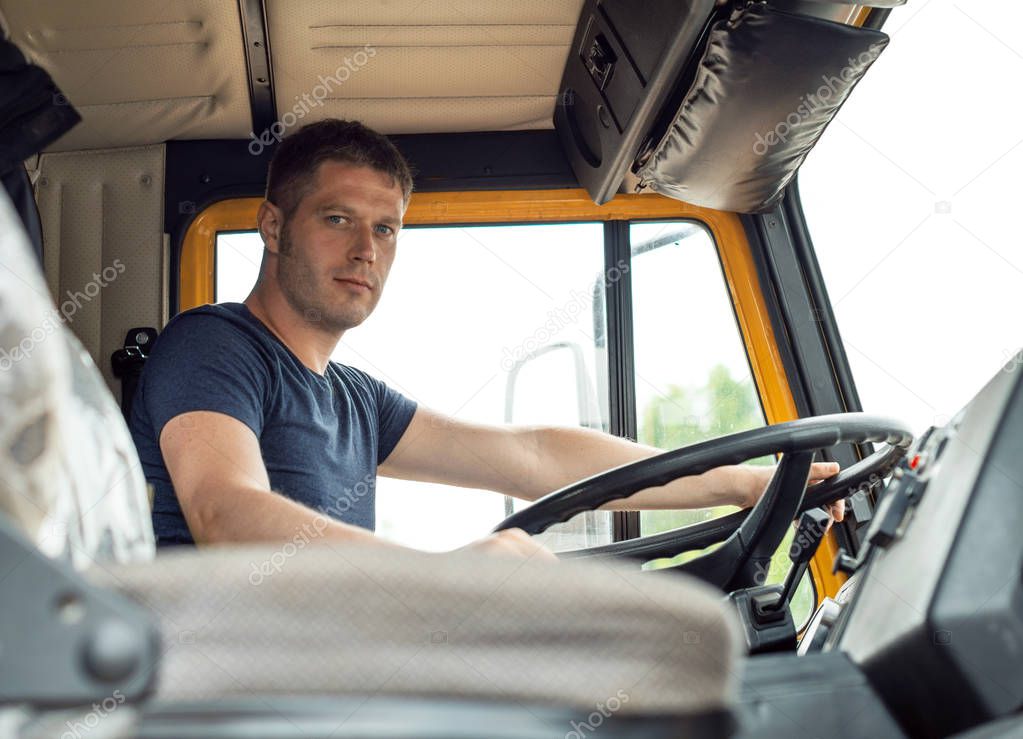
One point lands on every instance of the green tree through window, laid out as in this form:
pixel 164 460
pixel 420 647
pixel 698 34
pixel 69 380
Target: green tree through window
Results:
pixel 675 420
pixel 672 421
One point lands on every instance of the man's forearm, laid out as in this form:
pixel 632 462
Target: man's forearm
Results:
pixel 255 515
pixel 565 455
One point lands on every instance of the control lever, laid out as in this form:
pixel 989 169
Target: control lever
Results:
pixel 763 611
pixel 810 531
pixel 904 493
pixel 846 563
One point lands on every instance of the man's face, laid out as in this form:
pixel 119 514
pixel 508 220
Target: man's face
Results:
pixel 336 249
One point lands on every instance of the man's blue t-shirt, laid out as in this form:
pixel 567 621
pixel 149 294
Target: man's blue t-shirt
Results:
pixel 321 437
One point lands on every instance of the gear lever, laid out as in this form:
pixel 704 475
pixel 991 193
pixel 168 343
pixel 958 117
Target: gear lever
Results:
pixel 764 611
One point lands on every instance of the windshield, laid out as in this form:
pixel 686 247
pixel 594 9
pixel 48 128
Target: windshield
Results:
pixel 911 198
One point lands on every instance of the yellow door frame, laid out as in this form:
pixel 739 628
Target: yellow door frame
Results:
pixel 543 206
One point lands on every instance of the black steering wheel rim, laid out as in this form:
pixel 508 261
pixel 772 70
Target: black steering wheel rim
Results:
pixel 863 476
pixel 796 440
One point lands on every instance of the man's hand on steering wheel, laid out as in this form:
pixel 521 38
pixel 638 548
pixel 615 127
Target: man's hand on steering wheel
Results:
pixel 755 479
pixel 514 543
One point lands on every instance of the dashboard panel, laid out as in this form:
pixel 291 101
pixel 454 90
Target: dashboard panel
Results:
pixel 937 617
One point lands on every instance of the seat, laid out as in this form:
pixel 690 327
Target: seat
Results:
pixel 314 619
pixel 316 638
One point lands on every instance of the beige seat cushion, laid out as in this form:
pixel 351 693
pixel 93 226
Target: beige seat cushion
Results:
pixel 333 619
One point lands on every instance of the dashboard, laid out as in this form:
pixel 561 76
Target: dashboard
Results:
pixel 933 616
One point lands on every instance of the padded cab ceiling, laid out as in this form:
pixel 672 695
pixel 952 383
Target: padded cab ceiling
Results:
pixel 147 71
pixel 468 65
pixel 139 72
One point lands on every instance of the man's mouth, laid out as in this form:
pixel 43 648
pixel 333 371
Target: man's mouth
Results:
pixel 355 282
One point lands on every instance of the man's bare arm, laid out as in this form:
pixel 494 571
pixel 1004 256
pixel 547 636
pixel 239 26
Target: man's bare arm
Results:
pixel 224 490
pixel 529 462
pixel 222 485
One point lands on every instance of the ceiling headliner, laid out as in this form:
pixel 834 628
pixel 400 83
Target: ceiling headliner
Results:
pixel 147 71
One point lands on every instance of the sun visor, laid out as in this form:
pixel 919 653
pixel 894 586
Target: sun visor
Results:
pixel 623 67
pixel 767 85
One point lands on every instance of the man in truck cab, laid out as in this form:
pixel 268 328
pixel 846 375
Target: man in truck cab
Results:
pixel 249 432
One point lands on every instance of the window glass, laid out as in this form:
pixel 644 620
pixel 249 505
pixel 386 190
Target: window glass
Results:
pixel 693 379
pixel 523 342
pixel 489 324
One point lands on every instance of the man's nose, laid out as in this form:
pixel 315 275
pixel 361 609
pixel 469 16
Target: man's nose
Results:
pixel 363 247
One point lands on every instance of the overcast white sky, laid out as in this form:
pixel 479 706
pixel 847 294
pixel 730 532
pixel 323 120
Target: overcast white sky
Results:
pixel 911 198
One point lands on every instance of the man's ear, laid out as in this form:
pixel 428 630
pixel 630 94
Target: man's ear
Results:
pixel 270 221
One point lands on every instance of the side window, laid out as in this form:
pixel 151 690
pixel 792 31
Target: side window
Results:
pixel 693 378
pixel 515 343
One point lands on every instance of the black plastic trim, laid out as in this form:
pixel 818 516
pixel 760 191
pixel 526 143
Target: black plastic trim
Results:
pixel 197 175
pixel 780 698
pixel 387 717
pixel 110 646
pixel 257 64
pixel 774 312
pixel 807 258
pixel 861 507
pixel 876 18
pixel 620 354
pixel 804 324
pixel 799 316
pixel 495 160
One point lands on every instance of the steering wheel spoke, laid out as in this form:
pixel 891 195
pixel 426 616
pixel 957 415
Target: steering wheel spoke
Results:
pixel 745 558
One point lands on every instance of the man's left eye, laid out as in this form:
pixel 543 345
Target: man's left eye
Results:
pixel 385 230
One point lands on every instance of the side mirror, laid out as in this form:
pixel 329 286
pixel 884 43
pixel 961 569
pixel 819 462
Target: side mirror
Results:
pixel 585 395
pixel 586 407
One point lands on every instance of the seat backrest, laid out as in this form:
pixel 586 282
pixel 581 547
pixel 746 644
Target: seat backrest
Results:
pixel 69 474
pixel 104 256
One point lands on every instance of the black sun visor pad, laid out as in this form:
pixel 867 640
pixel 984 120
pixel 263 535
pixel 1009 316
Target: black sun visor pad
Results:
pixel 33 112
pixel 767 85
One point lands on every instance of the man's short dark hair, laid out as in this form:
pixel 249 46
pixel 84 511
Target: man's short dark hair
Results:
pixel 296 160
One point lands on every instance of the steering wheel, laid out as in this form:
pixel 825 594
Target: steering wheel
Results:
pixel 750 536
